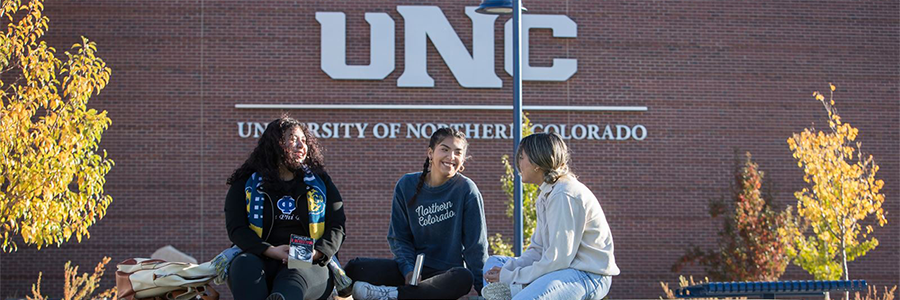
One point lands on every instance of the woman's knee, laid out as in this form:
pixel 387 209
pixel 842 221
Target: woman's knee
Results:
pixel 245 271
pixel 603 285
pixel 352 268
pixel 463 280
pixel 244 263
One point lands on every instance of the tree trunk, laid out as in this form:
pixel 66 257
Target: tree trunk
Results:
pixel 844 260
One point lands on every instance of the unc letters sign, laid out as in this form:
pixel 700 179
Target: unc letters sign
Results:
pixel 471 70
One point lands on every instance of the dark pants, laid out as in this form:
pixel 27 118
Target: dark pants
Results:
pixel 251 277
pixel 436 284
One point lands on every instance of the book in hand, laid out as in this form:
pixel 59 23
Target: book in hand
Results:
pixel 417 270
pixel 301 253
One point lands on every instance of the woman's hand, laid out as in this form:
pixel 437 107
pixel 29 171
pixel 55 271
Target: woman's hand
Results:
pixel 317 256
pixel 409 276
pixel 492 275
pixel 278 253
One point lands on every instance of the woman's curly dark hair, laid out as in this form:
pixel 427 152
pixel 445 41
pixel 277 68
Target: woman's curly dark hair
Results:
pixel 270 151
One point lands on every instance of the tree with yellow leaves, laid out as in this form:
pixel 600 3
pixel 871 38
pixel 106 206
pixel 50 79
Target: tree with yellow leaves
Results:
pixel 51 172
pixel 842 192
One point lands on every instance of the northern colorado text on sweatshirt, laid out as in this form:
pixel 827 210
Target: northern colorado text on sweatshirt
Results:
pixel 446 223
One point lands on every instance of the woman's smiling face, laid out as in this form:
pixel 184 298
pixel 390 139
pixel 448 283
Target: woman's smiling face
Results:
pixel 448 156
pixel 295 148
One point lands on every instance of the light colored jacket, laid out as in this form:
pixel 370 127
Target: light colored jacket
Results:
pixel 571 232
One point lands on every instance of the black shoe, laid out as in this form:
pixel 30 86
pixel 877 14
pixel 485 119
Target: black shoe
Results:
pixel 346 291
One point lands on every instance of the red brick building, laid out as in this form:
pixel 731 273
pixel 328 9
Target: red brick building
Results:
pixel 714 77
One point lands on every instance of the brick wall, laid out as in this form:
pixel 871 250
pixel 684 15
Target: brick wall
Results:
pixel 716 76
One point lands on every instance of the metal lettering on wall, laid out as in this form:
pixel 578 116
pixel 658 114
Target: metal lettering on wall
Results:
pixel 612 132
pixel 421 23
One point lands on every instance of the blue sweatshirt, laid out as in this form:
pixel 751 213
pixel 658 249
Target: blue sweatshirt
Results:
pixel 446 223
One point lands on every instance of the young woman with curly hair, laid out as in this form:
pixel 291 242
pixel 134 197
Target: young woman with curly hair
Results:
pixel 282 189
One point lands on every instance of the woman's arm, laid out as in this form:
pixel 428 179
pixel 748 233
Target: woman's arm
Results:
pixel 238 225
pixel 333 237
pixel 565 227
pixel 400 236
pixel 474 237
pixel 531 255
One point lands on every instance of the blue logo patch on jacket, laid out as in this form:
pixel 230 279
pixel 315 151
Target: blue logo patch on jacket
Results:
pixel 287 205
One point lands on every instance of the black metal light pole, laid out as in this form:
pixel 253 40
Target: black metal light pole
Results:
pixel 515 8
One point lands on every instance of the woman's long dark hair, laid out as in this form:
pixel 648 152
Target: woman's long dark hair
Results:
pixel 270 151
pixel 438 136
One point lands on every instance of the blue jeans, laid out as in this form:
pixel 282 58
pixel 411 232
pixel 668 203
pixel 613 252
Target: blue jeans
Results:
pixel 561 284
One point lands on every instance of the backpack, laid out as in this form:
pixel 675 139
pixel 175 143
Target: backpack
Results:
pixel 138 278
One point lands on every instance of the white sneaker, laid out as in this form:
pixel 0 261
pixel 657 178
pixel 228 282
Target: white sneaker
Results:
pixel 365 291
pixel 275 296
pixel 496 291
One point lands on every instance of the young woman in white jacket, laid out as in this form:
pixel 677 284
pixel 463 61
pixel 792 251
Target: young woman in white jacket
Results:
pixel 571 251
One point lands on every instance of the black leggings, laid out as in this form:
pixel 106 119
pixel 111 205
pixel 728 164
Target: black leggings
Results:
pixel 436 284
pixel 251 277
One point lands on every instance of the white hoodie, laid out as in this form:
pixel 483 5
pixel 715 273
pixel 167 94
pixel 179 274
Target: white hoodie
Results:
pixel 571 232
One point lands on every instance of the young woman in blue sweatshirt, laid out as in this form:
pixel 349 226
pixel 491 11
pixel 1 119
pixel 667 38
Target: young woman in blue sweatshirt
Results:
pixel 439 213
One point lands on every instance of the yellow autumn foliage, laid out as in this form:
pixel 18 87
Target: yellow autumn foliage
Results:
pixel 76 286
pixel 841 193
pixel 52 171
